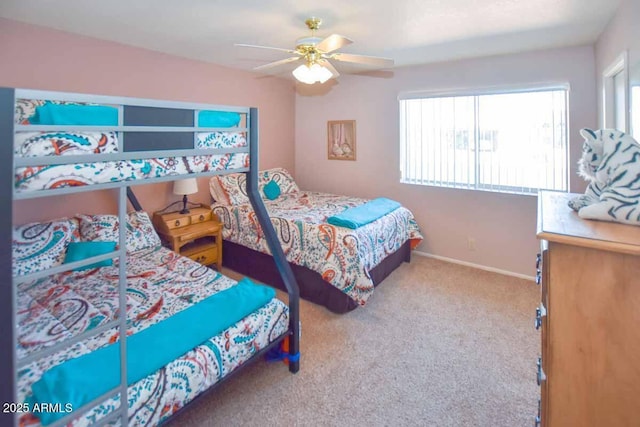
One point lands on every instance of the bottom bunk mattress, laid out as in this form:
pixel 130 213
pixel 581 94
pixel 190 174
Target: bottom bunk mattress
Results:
pixel 160 283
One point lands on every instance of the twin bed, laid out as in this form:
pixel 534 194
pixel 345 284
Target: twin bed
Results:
pixel 74 277
pixel 187 327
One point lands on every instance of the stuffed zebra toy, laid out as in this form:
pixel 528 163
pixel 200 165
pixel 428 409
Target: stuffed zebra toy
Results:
pixel 611 163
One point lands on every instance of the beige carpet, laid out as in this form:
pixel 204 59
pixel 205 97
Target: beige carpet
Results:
pixel 438 344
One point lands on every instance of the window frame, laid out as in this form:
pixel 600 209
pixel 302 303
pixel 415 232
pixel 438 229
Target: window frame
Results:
pixel 477 92
pixel 615 102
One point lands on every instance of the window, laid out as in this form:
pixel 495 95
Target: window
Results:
pixel 614 86
pixel 512 142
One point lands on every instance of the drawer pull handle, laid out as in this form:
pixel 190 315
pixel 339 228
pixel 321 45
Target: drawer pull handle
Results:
pixel 541 311
pixel 540 374
pixel 538 270
pixel 201 217
pixel 177 223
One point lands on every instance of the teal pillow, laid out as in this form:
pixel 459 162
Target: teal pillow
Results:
pixel 77 251
pixel 74 114
pixel 218 119
pixel 271 190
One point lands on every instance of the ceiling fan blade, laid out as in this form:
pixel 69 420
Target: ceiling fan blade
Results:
pixel 363 59
pixel 265 47
pixel 326 64
pixel 276 63
pixel 333 42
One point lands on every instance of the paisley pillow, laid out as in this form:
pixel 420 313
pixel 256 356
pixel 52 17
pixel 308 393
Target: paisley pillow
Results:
pixel 105 228
pixel 280 176
pixel 140 232
pixel 39 246
pixel 231 189
pixel 99 228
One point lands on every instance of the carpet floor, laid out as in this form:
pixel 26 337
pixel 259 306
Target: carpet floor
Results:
pixel 438 344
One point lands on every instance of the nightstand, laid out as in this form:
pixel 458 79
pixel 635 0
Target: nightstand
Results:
pixel 197 234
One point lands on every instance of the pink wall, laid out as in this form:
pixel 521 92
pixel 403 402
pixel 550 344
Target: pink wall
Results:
pixel 503 225
pixel 622 33
pixel 39 58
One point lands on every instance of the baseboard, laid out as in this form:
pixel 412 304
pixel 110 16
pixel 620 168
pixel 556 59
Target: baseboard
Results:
pixel 470 264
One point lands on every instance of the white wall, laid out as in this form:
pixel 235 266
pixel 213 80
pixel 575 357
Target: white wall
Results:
pixel 503 225
pixel 622 33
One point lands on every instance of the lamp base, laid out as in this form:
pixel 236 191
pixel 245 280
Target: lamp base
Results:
pixel 184 205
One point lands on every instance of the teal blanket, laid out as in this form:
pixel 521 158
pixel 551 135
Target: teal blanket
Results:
pixel 74 114
pixel 78 381
pixel 364 214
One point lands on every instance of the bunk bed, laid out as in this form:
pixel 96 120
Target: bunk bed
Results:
pixel 72 358
pixel 337 264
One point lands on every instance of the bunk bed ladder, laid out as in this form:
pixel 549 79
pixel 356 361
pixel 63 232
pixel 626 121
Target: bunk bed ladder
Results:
pixel 274 245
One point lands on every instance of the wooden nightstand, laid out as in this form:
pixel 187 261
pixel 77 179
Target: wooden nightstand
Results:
pixel 197 234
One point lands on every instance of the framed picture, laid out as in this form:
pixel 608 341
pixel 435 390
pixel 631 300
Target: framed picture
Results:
pixel 341 139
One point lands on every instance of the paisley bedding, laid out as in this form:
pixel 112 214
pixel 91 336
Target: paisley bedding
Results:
pixel 342 256
pixel 35 178
pixel 160 283
pixel 77 142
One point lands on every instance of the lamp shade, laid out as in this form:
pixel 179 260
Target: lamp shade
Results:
pixel 310 75
pixel 185 186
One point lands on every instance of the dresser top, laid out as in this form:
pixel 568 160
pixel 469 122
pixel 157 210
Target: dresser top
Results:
pixel 557 222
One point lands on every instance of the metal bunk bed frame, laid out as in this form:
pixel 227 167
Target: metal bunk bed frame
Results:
pixel 9 362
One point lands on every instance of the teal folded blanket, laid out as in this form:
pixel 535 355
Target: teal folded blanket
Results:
pixel 218 119
pixel 78 381
pixel 74 114
pixel 364 214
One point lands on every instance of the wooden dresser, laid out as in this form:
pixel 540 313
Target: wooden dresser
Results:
pixel 196 234
pixel 589 272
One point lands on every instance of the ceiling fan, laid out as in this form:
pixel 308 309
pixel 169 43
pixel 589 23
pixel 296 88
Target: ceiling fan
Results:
pixel 316 53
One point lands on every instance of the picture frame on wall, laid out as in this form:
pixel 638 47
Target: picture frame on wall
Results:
pixel 341 139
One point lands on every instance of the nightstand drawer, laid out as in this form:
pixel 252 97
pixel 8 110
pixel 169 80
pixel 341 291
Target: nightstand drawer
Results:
pixel 174 220
pixel 200 217
pixel 177 222
pixel 196 235
pixel 206 256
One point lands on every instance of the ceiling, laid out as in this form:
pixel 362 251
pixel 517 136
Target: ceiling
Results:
pixel 408 31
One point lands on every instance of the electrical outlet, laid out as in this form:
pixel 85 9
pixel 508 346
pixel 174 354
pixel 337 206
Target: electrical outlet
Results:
pixel 471 243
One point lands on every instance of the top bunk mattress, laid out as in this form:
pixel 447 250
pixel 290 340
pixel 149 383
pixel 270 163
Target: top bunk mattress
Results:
pixel 109 143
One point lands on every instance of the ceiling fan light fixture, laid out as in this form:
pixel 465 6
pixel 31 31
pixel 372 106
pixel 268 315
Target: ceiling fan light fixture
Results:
pixel 313 74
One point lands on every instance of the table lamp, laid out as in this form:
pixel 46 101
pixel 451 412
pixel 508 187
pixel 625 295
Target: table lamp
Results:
pixel 184 187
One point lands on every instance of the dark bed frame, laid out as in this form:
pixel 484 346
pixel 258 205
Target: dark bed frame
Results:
pixel 312 286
